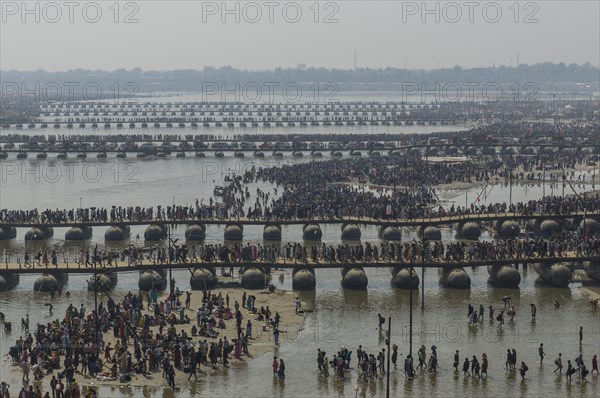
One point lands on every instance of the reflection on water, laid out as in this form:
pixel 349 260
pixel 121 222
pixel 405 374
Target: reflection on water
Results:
pixel 338 317
pixel 335 317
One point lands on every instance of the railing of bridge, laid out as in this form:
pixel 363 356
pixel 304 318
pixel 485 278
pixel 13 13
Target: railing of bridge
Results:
pixel 441 219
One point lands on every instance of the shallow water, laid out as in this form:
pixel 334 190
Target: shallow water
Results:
pixel 340 317
pixel 348 318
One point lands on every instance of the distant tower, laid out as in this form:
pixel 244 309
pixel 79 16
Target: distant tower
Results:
pixel 355 59
pixel 517 58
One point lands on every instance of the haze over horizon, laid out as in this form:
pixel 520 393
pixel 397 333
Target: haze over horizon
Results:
pixel 291 67
pixel 191 35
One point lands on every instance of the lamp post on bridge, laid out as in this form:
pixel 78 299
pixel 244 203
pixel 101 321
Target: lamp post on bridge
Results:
pixel 33 235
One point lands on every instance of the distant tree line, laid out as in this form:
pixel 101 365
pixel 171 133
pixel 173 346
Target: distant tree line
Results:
pixel 546 76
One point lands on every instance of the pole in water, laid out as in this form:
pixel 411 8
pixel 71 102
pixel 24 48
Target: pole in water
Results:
pixel 170 270
pixel 510 194
pixel 544 180
pixel 389 339
pixel 425 247
pixel 410 321
pixel 423 286
pixel 96 304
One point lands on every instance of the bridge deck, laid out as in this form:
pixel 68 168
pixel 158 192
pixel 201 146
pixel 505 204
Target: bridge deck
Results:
pixel 347 219
pixel 146 265
pixel 174 151
pixel 363 147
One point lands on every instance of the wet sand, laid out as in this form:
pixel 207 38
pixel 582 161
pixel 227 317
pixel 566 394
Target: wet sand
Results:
pixel 262 340
pixel 593 292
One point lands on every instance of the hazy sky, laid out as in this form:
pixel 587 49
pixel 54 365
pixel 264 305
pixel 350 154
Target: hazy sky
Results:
pixel 193 34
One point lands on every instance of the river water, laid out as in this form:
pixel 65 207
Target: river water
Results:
pixel 340 317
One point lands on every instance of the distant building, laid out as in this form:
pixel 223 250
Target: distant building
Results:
pixel 301 66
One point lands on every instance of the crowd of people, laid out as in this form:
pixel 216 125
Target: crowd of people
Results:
pixel 139 335
pixel 379 170
pixel 550 205
pixel 404 252
pixel 142 334
pixel 373 366
pixel 532 131
pixel 336 201
pixel 557 246
pixel 329 201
